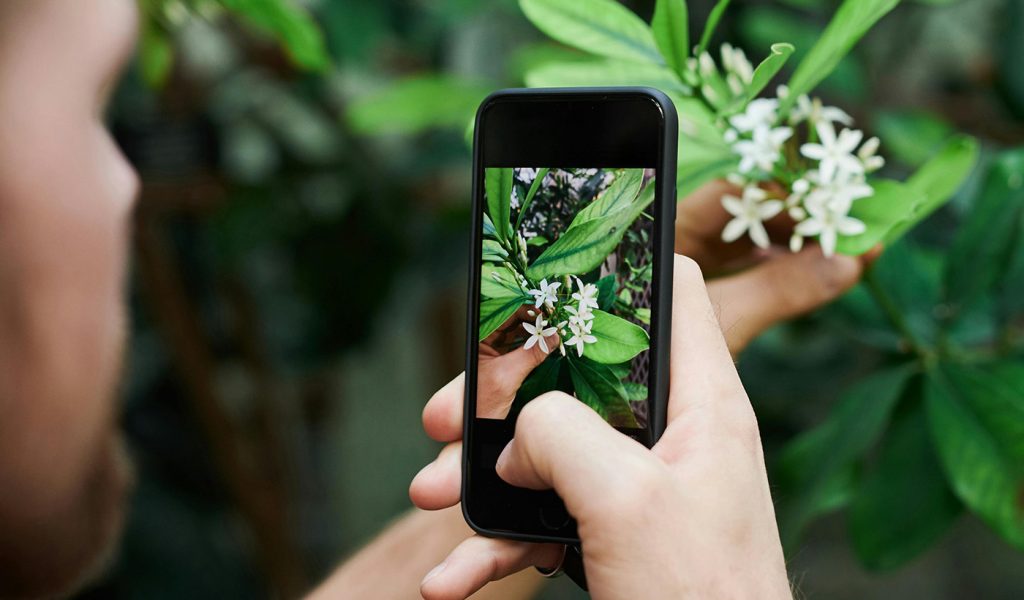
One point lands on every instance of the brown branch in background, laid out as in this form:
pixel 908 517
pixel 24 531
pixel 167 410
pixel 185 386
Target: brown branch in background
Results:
pixel 255 497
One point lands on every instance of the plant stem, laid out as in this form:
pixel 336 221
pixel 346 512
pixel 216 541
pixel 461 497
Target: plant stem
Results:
pixel 895 316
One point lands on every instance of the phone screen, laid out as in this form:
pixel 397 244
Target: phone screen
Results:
pixel 565 290
pixel 569 289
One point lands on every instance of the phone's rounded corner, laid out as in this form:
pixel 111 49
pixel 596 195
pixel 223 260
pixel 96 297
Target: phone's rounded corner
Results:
pixel 663 101
pixel 488 102
pixel 476 527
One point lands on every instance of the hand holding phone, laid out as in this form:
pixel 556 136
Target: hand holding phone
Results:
pixel 691 517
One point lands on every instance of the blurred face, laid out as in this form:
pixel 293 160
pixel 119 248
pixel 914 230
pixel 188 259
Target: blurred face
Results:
pixel 65 198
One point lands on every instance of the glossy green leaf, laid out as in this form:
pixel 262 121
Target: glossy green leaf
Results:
pixel 814 469
pixel 498 281
pixel 903 504
pixel 598 387
pixel 582 248
pixel 980 462
pixel 853 19
pixel 982 249
pixel 671 32
pixel 938 179
pixel 618 340
pixel 602 27
pixel 495 311
pixel 604 72
pixel 619 196
pixel 768 69
pixel 498 187
pixel 712 23
pixel 892 204
pixel 416 104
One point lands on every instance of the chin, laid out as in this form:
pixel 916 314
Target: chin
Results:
pixel 75 547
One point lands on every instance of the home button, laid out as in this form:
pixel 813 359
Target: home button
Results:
pixel 554 517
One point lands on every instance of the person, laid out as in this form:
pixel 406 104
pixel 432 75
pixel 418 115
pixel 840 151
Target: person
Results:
pixel 66 195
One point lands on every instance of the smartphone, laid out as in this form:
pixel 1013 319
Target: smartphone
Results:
pixel 570 280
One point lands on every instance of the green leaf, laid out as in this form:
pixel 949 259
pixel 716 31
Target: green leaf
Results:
pixel 983 247
pixel 711 25
pixel 912 137
pixel 156 55
pixel 619 196
pixel 814 468
pixel 582 248
pixel 768 69
pixel 537 240
pixel 604 72
pixel 290 24
pixel 618 340
pixel 498 187
pixel 636 392
pixel 938 179
pixel 493 252
pixel 598 387
pixel 602 27
pixel 892 204
pixel 981 464
pixel 495 311
pixel 606 292
pixel 498 281
pixel 903 504
pixel 853 19
pixel 671 32
pixel 534 186
pixel 416 104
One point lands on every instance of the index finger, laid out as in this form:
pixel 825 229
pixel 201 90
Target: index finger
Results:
pixel 442 416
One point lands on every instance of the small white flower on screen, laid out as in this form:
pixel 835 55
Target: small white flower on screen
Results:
pixel 547 294
pixel 587 294
pixel 538 331
pixel 580 336
pixel 749 214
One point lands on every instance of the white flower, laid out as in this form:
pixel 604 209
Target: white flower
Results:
pixel 547 294
pixel 828 224
pixel 578 317
pixel 587 296
pixel 734 60
pixel 815 112
pixel 835 153
pixel 839 193
pixel 764 150
pixel 750 212
pixel 538 331
pixel 580 335
pixel 759 113
pixel 527 175
pixel 514 202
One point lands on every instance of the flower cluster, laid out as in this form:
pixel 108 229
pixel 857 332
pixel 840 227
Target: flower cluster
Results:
pixel 810 163
pixel 576 328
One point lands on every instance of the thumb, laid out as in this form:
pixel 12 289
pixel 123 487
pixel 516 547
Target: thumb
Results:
pixel 779 289
pixel 517 365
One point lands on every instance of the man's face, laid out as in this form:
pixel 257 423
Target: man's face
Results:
pixel 65 200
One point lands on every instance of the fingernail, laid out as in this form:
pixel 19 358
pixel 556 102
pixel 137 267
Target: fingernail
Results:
pixel 433 572
pixel 503 457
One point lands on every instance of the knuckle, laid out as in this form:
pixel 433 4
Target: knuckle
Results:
pixel 541 412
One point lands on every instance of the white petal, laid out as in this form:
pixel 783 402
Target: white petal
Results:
pixel 796 243
pixel 828 241
pixel 543 345
pixel 851 226
pixel 849 139
pixel 827 169
pixel 826 133
pixel 529 328
pixel 759 235
pixel 530 342
pixel 734 229
pixel 732 204
pixel 813 151
pixel 809 228
pixel 769 209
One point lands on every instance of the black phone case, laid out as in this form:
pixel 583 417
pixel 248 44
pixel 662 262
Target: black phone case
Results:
pixel 658 394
